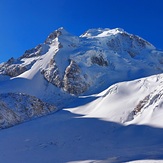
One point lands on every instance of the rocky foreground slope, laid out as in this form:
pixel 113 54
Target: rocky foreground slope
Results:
pixel 16 108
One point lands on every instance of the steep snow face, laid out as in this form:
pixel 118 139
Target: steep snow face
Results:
pixel 16 108
pixel 83 65
pixel 134 102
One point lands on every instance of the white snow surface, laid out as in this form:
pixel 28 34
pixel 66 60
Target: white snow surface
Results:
pixel 117 119
pixel 119 103
pixel 99 128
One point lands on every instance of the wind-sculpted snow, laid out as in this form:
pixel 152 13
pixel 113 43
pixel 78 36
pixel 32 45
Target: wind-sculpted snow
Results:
pixel 133 102
pixel 16 108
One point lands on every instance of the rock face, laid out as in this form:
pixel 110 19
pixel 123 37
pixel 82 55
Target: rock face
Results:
pixel 96 59
pixel 75 82
pixel 53 36
pixel 17 107
pixel 51 74
pixel 99 61
pixel 13 68
pixel 37 51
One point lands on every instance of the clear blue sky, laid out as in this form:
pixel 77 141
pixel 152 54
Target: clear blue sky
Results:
pixel 26 23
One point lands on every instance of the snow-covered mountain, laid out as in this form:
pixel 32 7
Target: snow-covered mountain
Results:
pixel 81 65
pixel 108 87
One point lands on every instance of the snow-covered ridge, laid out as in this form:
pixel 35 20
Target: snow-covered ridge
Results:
pixel 106 32
pixel 101 32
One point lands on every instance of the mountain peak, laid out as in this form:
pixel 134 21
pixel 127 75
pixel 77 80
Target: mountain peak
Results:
pixel 62 30
pixel 101 32
pixel 55 34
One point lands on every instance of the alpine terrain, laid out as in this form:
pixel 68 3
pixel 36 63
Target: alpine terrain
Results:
pixel 101 92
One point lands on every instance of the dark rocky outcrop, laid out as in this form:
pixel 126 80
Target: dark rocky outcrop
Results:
pixel 17 107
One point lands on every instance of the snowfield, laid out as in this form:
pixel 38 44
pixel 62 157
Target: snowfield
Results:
pixel 135 102
pixel 102 94
pixel 96 130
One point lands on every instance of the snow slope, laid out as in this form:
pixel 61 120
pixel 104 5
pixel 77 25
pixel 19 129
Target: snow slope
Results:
pixel 99 129
pixel 135 102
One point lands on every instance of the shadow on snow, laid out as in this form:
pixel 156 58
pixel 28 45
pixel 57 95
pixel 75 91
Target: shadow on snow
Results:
pixel 70 137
